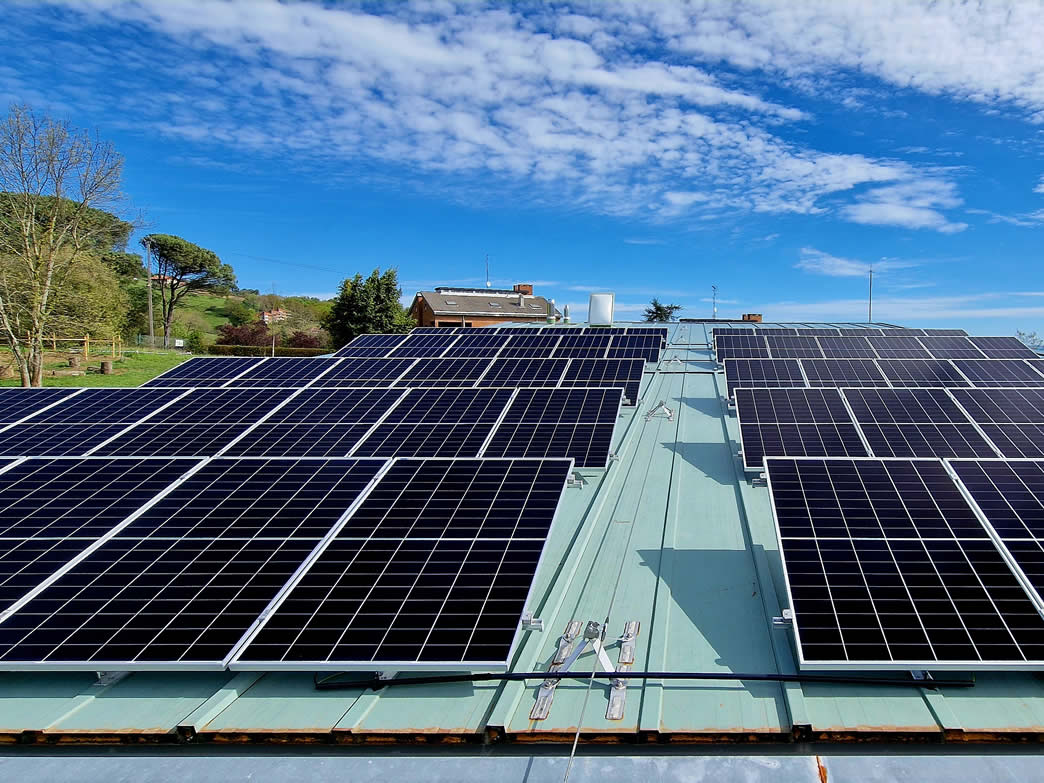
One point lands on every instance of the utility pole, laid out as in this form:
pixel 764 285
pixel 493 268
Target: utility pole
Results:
pixel 487 270
pixel 870 300
pixel 152 324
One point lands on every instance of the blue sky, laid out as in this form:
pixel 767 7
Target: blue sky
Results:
pixel 775 150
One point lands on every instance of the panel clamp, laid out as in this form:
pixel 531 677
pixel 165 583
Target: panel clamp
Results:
pixel 661 406
pixel 785 620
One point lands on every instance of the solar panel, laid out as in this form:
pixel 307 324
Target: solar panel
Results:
pixel 955 347
pixel 941 332
pixel 794 422
pixel 365 372
pixel 434 567
pixel 438 330
pixel 476 346
pixel 1003 348
pixel 18 403
pixel 818 332
pixel 53 509
pixel 205 371
pixel 287 372
pixel 902 332
pixel 1010 494
pixel 529 346
pixel 740 347
pixel 846 348
pixel 524 372
pixel 1002 406
pixel 445 372
pixel 199 424
pixel 184 581
pixel 999 372
pixel 575 423
pixel 633 346
pixel 759 373
pixel 898 348
pixel 317 423
pixel 843 372
pixel 793 347
pixel 55 439
pixel 1017 440
pixel 775 331
pixel 423 346
pixel 887 566
pixel 622 373
pixel 921 372
pixel 371 345
pixel 437 423
pixel 859 332
pixel 106 406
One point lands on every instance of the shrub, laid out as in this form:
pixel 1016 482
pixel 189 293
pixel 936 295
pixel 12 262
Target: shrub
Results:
pixel 262 350
pixel 301 339
pixel 249 334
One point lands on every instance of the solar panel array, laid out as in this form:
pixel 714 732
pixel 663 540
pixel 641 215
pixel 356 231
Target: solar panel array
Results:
pixel 192 519
pixel 579 343
pixel 908 501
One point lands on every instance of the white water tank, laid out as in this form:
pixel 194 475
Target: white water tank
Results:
pixel 600 309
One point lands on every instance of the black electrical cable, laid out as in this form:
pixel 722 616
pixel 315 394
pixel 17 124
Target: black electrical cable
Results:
pixel 376 683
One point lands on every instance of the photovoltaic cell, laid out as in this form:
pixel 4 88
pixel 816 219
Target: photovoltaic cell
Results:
pixel 106 406
pixel 371 345
pixel 55 439
pixel 898 348
pixel 843 372
pixel 846 348
pixel 888 567
pixel 1002 406
pixel 794 422
pixel 205 371
pixel 18 403
pixel 285 372
pixel 444 372
pixel 634 346
pixel 423 346
pixel 575 423
pixel 955 347
pixel 1017 440
pixel 740 347
pixel 999 372
pixel 437 423
pixel 364 372
pixel 524 372
pixel 759 373
pixel 183 583
pixel 476 346
pixel 921 372
pixel 435 565
pixel 793 347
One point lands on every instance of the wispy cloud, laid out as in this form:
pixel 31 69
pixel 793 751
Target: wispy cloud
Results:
pixel 1040 186
pixel 909 205
pixel 821 263
pixel 955 309
pixel 1024 220
pixel 644 242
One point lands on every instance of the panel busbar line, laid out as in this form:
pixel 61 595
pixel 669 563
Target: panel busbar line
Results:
pixel 576 423
pixel 52 509
pixel 180 585
pixel 795 423
pixel 434 569
pixel 888 567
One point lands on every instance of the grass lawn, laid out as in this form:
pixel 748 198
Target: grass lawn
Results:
pixel 133 370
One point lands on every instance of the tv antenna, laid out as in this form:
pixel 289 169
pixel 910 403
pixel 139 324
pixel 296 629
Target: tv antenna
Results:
pixel 714 300
pixel 870 299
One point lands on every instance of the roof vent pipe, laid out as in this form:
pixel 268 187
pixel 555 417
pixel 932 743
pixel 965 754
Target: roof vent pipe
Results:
pixel 565 314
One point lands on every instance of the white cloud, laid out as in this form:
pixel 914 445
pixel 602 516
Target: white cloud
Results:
pixel 1024 220
pixel 644 242
pixel 1040 186
pixel 818 262
pixel 938 309
pixel 910 205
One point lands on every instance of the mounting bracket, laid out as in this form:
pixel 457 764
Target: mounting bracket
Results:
pixel 785 620
pixel 569 651
pixel 660 406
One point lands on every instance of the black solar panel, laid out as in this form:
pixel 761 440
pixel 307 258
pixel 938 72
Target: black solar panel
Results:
pixel 794 422
pixel 106 406
pixel 285 372
pixel 776 331
pixel 622 373
pixel 1002 406
pixel 423 346
pixel 55 439
pixel 633 346
pixel 793 347
pixel 575 423
pixel 205 371
pixel 859 332
pixel 898 348
pixel 365 372
pixel 903 406
pixel 943 332
pixel 814 331
pixel 445 372
pixel 846 348
pixel 740 347
pixel 436 565
pixel 371 345
pixel 437 423
pixel 1003 348
pixel 902 332
pixel 843 372
pixel 183 582
pixel 1017 440
pixel 887 566
pixel 18 403
pixel 760 373
pixel 476 346
pixel 921 372
pixel 999 372
pixel 1011 497
pixel 952 347
pixel 524 372
pixel 52 509
pixel 529 346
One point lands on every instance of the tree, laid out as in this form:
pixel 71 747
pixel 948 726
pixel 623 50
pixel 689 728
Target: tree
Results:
pixel 1030 340
pixel 660 313
pixel 127 265
pixel 181 268
pixel 240 313
pixel 250 334
pixel 54 182
pixel 369 306
pixel 304 340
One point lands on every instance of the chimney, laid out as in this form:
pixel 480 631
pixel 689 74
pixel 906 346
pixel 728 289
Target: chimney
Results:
pixel 523 288
pixel 753 317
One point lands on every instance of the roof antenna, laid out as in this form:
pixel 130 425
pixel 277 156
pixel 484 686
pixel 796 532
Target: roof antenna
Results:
pixel 487 270
pixel 870 299
pixel 714 299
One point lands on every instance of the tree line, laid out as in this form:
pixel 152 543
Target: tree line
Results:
pixel 65 268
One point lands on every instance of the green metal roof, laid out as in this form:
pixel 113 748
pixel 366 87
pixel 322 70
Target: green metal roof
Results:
pixel 672 535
